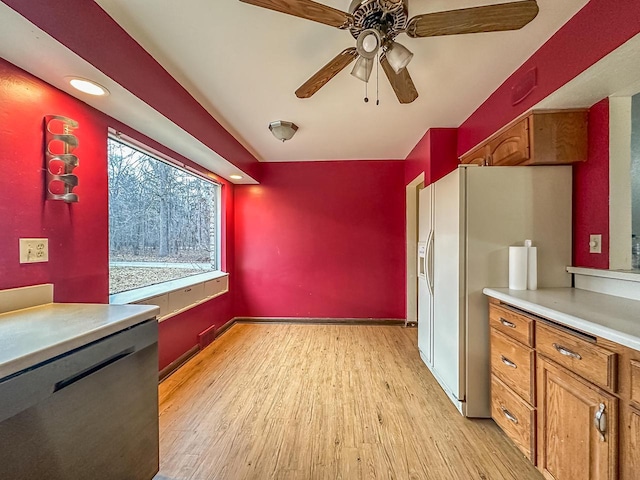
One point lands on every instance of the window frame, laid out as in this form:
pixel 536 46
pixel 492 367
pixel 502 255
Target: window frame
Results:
pixel 139 294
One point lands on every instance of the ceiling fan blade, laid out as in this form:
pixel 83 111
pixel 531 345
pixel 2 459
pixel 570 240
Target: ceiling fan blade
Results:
pixel 490 18
pixel 307 9
pixel 400 82
pixel 326 73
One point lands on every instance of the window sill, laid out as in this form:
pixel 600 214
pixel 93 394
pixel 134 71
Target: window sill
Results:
pixel 177 296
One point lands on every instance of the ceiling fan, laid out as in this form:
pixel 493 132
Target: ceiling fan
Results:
pixel 376 23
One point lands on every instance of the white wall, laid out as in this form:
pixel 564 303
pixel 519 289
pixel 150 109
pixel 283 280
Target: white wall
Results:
pixel 635 164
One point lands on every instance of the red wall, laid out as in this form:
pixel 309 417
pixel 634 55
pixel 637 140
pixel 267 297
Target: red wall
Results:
pixel 177 335
pixel 322 239
pixel 435 155
pixel 78 233
pixel 591 192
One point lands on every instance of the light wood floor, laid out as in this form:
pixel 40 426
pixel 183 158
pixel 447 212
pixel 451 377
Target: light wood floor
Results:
pixel 321 402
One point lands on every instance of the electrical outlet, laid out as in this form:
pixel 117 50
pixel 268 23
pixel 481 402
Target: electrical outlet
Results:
pixel 34 250
pixel 595 243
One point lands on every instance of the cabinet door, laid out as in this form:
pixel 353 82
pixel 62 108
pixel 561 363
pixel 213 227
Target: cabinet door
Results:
pixel 569 444
pixel 630 458
pixel 477 156
pixel 511 147
pixel 558 137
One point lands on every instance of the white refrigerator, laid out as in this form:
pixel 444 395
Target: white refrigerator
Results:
pixel 467 221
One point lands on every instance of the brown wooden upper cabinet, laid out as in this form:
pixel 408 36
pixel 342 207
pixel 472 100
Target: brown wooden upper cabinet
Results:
pixel 539 138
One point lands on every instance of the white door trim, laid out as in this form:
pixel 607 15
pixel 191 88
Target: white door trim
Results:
pixel 411 222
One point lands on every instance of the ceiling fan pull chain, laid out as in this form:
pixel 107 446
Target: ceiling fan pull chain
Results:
pixel 366 92
pixel 378 80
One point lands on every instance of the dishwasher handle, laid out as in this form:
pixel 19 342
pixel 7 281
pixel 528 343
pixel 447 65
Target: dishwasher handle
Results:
pixel 91 370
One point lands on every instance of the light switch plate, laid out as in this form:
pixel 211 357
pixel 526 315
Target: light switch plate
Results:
pixel 595 243
pixel 34 250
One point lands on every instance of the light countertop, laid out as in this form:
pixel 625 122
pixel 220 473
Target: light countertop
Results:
pixel 33 335
pixel 612 318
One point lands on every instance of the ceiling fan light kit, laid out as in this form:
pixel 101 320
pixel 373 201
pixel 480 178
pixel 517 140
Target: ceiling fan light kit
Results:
pixel 283 130
pixel 363 68
pixel 368 43
pixel 376 23
pixel 398 56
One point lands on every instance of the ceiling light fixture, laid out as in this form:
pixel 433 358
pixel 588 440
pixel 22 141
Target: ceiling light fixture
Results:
pixel 368 43
pixel 398 56
pixel 283 130
pixel 235 177
pixel 367 46
pixel 363 68
pixel 87 86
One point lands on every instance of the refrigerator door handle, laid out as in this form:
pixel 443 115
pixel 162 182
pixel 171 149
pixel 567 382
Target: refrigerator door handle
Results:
pixel 428 259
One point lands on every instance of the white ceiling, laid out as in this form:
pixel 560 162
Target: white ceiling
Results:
pixel 243 64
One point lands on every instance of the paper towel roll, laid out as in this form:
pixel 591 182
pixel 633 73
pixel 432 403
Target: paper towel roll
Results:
pixel 532 268
pixel 518 268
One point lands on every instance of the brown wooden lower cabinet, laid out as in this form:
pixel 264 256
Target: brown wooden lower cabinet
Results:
pixel 582 420
pixel 571 444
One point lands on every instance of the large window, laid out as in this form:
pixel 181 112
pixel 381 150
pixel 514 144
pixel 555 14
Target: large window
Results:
pixel 163 220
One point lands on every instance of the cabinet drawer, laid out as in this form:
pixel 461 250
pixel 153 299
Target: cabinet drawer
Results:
pixel 185 297
pixel 511 323
pixel 635 381
pixel 586 359
pixel 216 286
pixel 514 364
pixel 515 417
pixel 161 301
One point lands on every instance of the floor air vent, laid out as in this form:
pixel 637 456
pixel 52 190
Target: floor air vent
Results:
pixel 207 336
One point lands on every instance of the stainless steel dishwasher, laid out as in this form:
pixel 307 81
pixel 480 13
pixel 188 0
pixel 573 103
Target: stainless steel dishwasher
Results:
pixel 91 413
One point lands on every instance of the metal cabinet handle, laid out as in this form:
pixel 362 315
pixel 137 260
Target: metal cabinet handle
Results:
pixel 508 362
pixel 509 415
pixel 507 323
pixel 600 422
pixel 566 352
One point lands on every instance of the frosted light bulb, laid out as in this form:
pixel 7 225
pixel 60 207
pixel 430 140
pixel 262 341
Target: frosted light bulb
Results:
pixel 370 43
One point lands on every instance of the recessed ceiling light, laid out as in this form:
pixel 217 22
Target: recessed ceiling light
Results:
pixel 87 86
pixel 235 177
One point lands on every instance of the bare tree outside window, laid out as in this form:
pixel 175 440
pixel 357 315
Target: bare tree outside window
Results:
pixel 162 220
